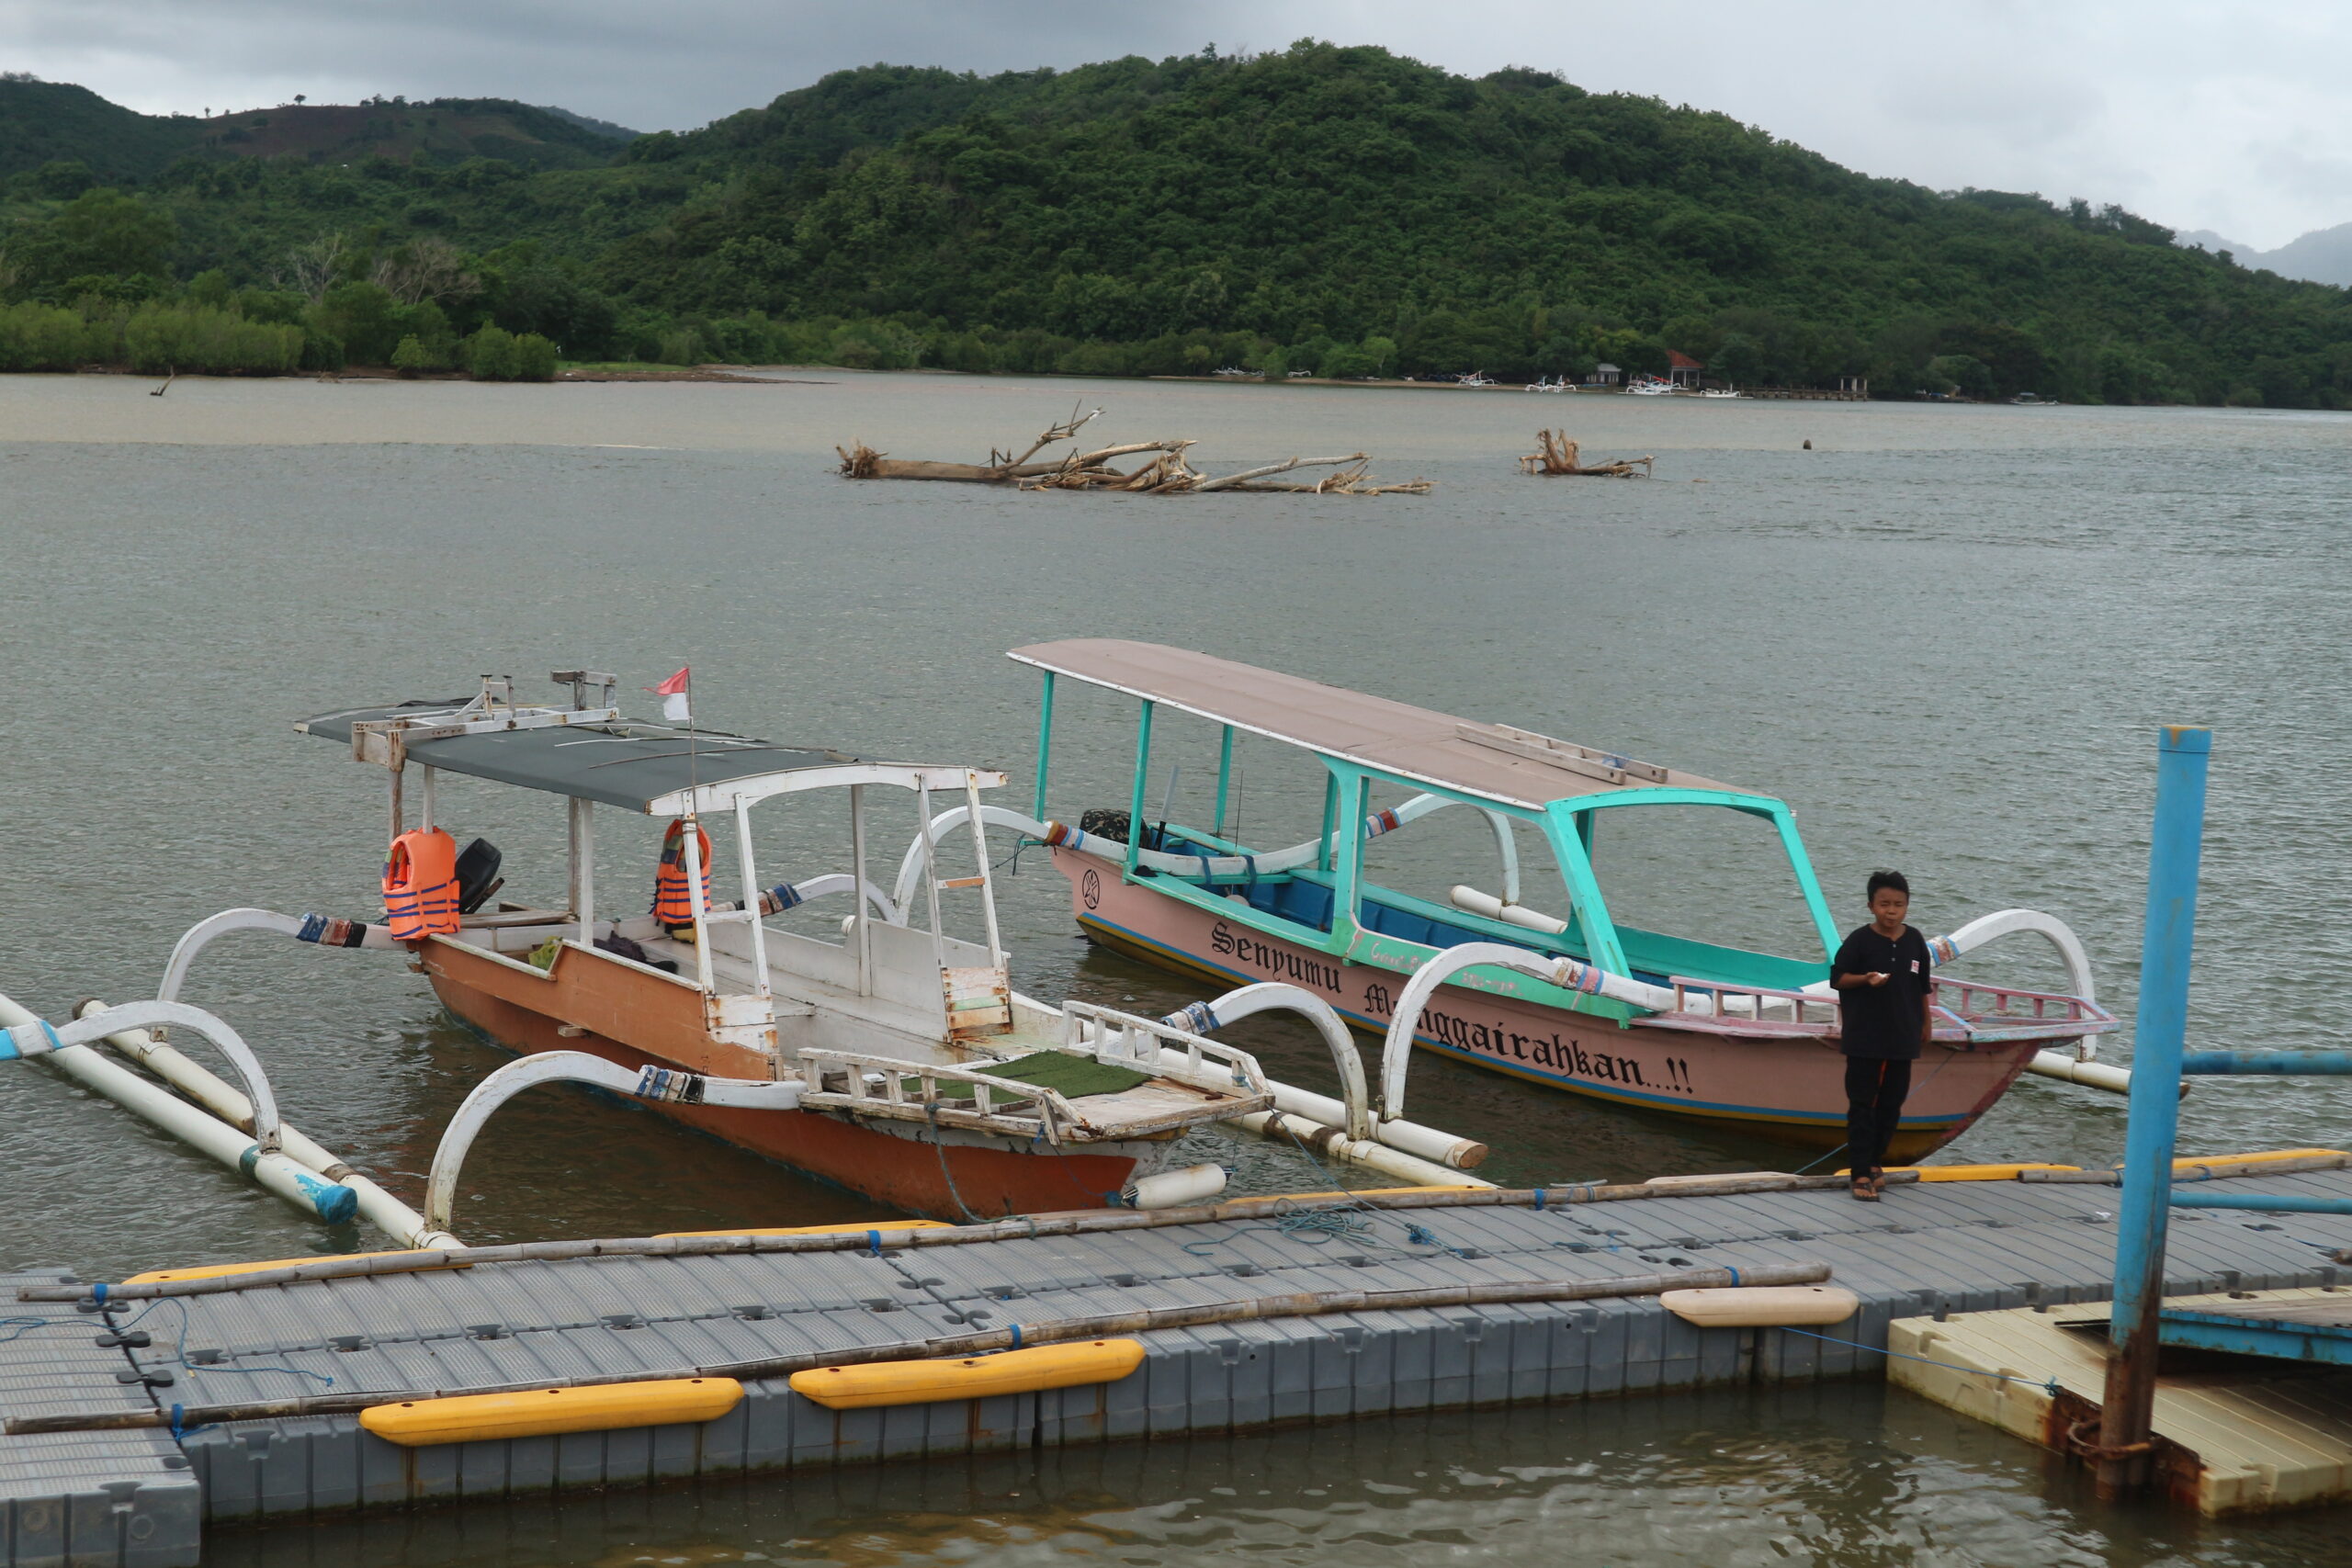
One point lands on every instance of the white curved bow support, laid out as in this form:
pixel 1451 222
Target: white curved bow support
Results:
pixel 2005 923
pixel 1272 996
pixel 578 1066
pixel 302 928
pixel 1397 1049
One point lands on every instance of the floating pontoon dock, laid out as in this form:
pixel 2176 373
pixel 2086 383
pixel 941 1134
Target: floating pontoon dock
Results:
pixel 316 1342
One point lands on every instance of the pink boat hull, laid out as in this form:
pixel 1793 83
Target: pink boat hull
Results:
pixel 1791 1089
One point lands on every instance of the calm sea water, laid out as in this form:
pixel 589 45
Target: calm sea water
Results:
pixel 1945 634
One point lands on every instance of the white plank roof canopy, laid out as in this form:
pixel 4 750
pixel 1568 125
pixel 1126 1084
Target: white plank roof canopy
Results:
pixel 594 753
pixel 1494 761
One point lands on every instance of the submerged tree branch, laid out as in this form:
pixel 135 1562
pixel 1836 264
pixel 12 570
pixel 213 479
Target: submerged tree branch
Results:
pixel 1559 455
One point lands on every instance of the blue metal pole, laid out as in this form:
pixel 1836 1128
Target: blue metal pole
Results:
pixel 2266 1063
pixel 2259 1201
pixel 2158 1043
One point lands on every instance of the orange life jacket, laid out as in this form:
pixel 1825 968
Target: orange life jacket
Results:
pixel 673 905
pixel 421 885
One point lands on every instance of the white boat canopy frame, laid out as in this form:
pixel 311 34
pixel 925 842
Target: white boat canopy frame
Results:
pixel 591 755
pixel 1558 786
pixel 1490 762
pixel 594 754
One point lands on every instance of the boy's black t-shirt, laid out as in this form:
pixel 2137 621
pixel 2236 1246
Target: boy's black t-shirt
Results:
pixel 1883 1021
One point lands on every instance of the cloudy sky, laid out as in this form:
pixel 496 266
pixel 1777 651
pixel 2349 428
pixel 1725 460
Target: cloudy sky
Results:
pixel 2197 114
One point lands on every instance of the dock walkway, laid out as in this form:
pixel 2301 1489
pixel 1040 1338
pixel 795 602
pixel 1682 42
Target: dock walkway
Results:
pixel 137 1498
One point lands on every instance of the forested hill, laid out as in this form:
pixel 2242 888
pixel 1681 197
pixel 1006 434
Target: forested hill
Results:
pixel 1330 209
pixel 45 122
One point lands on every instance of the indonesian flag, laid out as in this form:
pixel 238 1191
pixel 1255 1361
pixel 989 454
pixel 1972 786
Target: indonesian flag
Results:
pixel 676 697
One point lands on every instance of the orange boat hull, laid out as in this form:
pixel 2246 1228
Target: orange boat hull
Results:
pixel 946 1174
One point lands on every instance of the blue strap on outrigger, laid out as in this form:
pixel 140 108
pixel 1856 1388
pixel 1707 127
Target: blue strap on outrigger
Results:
pixel 22 1040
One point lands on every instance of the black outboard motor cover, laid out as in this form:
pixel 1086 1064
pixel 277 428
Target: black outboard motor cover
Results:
pixel 478 876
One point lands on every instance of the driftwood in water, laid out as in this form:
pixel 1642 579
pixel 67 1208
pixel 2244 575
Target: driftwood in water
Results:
pixel 862 462
pixel 1560 457
pixel 1168 472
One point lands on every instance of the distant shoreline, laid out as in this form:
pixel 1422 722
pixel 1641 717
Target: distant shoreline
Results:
pixel 737 375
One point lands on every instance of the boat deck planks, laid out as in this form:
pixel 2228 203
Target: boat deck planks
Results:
pixel 1959 1248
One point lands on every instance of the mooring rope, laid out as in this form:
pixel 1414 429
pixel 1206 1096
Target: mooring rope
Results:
pixel 2048 1385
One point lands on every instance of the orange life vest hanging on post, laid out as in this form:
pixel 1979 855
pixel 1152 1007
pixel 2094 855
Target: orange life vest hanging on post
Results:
pixel 421 885
pixel 673 904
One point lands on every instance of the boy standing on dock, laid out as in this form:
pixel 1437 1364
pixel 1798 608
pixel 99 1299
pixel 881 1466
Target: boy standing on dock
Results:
pixel 1882 975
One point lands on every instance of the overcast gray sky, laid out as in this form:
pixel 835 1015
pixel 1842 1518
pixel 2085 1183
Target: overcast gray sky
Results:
pixel 2196 114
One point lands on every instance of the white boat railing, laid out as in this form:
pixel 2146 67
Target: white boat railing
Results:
pixel 1162 1049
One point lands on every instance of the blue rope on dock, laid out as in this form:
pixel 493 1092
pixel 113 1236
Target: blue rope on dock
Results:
pixel 179 1348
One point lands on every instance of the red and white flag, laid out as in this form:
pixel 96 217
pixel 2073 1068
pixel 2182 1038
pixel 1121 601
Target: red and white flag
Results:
pixel 677 695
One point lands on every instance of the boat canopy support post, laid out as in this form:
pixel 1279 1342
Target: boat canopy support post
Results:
pixel 857 901
pixel 1135 795
pixel 987 877
pixel 1808 885
pixel 750 874
pixel 1223 776
pixel 1326 856
pixel 1045 746
pixel 578 1066
pixel 1347 857
pixel 1587 905
pixel 583 867
pixel 690 840
pixel 424 799
pixel 931 878
pixel 2127 1411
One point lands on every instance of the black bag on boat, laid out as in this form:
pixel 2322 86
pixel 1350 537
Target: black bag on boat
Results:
pixel 621 946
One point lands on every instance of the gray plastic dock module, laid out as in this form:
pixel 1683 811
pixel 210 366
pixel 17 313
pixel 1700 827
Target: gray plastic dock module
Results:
pixel 119 1499
pixel 85 1499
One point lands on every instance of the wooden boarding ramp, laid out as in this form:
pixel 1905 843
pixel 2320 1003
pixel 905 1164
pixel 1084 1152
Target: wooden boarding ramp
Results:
pixel 1249 1313
pixel 2232 1434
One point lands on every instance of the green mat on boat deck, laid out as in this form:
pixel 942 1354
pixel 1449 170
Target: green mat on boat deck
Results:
pixel 1066 1075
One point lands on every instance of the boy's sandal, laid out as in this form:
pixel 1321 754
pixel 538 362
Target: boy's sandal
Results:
pixel 1878 1182
pixel 1859 1185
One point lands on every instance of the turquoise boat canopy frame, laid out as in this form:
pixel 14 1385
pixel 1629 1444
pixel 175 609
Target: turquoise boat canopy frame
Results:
pixel 1558 787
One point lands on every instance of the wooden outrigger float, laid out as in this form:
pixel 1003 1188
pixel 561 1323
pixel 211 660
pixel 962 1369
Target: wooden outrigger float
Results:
pixel 1575 1001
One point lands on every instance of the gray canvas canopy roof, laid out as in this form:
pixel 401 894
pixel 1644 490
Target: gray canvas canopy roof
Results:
pixel 1496 761
pixel 626 762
